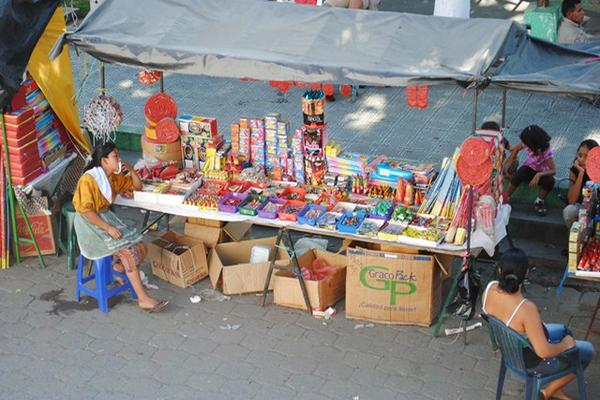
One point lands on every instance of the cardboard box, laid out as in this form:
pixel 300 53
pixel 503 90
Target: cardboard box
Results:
pixel 393 288
pixel 229 265
pixel 41 225
pixel 181 270
pixel 215 223
pixel 322 294
pixel 211 236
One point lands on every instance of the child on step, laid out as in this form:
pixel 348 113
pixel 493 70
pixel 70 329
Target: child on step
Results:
pixel 539 167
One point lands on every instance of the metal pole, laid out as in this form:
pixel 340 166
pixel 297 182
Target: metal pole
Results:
pixel 162 82
pixel 102 79
pixel 475 97
pixel 503 108
pixel 469 227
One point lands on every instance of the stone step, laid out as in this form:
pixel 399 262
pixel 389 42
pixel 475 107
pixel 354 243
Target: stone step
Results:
pixel 525 223
pixel 545 257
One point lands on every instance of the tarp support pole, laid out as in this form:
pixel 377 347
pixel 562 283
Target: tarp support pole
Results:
pixel 503 108
pixel 102 79
pixel 162 82
pixel 475 97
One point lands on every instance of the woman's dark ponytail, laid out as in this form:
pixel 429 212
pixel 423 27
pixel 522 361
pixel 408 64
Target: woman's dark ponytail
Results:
pixel 100 151
pixel 512 270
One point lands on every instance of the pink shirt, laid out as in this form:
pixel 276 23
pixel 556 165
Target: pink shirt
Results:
pixel 537 162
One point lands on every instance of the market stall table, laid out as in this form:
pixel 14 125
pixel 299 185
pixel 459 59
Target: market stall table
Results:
pixel 478 243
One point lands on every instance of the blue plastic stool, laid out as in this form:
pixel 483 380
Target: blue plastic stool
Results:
pixel 103 276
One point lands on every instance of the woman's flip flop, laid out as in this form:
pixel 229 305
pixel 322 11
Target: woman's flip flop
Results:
pixel 160 306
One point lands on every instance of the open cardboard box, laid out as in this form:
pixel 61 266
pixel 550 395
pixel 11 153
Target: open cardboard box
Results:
pixel 212 235
pixel 181 270
pixel 322 294
pixel 229 265
pixel 393 288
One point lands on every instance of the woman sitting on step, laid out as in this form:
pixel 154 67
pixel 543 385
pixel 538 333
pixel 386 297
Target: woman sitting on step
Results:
pixel 100 232
pixel 577 179
pixel 504 301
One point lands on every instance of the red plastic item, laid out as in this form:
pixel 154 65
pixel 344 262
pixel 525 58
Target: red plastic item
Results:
pixel 422 97
pixel 474 151
pixel 20 140
pixel 160 106
pixel 235 186
pixel 318 270
pixel 346 90
pixel 167 131
pixel 169 173
pixel 411 96
pixel 592 164
pixel 328 89
pixel 19 116
pixel 474 175
pixel 17 181
pixel 284 215
pixel 293 193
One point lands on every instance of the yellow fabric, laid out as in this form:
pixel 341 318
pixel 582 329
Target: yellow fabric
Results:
pixel 55 78
pixel 88 196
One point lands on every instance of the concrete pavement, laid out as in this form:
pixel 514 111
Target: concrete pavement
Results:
pixel 53 348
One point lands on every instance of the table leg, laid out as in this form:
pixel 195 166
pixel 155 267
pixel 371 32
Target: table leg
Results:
pixel 590 328
pixel 561 285
pixel 271 266
pixel 298 272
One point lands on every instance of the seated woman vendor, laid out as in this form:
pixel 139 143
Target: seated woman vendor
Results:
pixel 100 232
pixel 504 301
pixel 577 180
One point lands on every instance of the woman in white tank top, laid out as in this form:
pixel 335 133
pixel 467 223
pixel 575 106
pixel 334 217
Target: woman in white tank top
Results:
pixel 504 301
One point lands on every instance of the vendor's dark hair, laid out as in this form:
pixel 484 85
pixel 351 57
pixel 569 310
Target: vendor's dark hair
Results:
pixel 568 6
pixel 491 126
pixel 512 269
pixel 589 143
pixel 535 138
pixel 100 151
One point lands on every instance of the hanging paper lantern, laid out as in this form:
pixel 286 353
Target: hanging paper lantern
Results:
pixel 592 164
pixel 102 116
pixel 148 77
pixel 346 90
pixel 474 175
pixel 475 151
pixel 167 131
pixel 159 106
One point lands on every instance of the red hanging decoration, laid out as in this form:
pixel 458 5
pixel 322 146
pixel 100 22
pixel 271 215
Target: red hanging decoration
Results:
pixel 160 106
pixel 592 164
pixel 148 77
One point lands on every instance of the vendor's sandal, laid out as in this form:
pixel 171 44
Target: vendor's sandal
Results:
pixel 158 307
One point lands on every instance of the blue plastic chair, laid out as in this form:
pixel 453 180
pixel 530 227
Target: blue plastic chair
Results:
pixel 103 276
pixel 511 345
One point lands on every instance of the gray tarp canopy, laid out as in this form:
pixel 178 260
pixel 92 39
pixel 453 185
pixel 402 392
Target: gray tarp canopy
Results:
pixel 272 41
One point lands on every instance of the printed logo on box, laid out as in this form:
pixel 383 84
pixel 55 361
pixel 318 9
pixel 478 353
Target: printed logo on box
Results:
pixel 398 283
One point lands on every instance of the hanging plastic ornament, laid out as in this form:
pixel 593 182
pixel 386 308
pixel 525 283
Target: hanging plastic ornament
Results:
pixel 102 116
pixel 148 77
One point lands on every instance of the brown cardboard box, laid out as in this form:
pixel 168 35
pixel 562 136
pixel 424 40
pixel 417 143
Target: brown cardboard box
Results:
pixel 41 225
pixel 214 223
pixel 393 288
pixel 229 263
pixel 211 236
pixel 181 270
pixel 322 294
